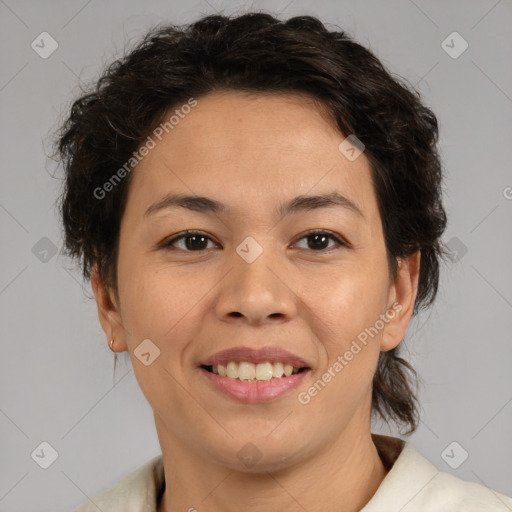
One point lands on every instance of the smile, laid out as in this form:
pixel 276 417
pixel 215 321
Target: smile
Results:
pixel 254 375
pixel 246 371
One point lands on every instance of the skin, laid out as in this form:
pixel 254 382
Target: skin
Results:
pixel 257 151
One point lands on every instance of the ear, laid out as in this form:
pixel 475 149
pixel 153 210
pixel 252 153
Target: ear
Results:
pixel 108 312
pixel 402 296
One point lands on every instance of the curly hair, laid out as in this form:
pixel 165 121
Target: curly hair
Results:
pixel 257 53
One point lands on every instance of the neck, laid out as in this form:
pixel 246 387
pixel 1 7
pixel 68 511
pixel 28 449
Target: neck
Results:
pixel 346 473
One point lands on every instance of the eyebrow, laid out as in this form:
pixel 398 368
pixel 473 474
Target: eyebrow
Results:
pixel 298 204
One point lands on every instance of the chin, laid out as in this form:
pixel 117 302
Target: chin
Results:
pixel 261 454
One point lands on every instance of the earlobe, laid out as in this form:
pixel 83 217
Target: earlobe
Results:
pixel 402 297
pixel 108 313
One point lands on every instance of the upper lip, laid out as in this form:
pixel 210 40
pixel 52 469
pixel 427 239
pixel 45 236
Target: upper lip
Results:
pixel 271 354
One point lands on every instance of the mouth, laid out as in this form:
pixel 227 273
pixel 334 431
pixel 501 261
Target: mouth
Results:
pixel 254 375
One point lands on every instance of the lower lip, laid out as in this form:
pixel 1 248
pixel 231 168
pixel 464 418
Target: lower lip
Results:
pixel 254 392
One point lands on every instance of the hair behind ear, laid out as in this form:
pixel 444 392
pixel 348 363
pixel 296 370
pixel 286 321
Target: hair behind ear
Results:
pixel 393 396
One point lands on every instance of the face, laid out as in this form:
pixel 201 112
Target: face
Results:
pixel 263 274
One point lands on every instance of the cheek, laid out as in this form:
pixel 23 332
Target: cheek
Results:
pixel 157 301
pixel 160 309
pixel 345 308
pixel 343 383
pixel 348 298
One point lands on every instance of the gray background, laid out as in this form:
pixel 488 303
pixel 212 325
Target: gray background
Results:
pixel 56 371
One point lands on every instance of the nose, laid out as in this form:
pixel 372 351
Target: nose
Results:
pixel 258 292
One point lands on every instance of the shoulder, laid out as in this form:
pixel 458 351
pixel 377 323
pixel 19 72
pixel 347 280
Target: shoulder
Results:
pixel 458 494
pixel 414 484
pixel 136 492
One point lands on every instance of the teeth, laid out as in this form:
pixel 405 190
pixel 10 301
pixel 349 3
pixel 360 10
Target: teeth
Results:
pixel 246 371
pixel 232 370
pixel 264 371
pixel 249 372
pixel 278 370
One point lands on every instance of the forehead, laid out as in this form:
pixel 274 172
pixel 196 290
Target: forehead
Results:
pixel 250 149
pixel 234 123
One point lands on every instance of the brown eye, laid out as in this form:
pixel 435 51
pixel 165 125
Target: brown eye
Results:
pixel 192 242
pixel 319 240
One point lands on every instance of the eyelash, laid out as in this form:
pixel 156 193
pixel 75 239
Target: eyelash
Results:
pixel 168 244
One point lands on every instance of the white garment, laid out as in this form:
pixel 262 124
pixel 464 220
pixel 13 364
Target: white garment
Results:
pixel 413 484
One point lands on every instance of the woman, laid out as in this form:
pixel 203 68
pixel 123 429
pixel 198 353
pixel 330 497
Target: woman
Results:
pixel 258 207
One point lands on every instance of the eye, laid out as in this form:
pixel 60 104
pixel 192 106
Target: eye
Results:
pixel 193 241
pixel 320 238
